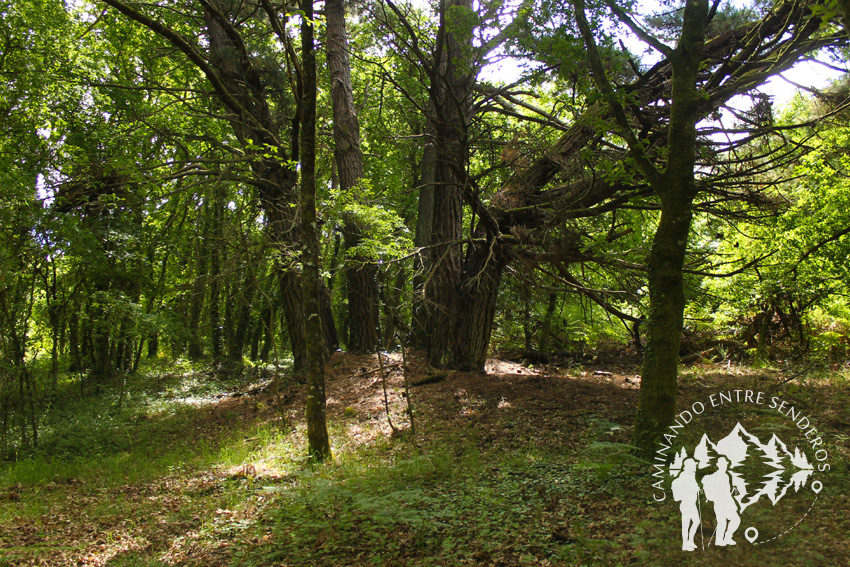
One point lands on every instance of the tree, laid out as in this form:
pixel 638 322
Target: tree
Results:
pixel 671 175
pixel 457 287
pixel 255 102
pixel 361 271
pixel 675 186
pixel 317 432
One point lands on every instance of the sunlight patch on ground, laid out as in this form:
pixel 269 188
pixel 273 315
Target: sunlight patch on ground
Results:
pixel 494 366
pixel 112 546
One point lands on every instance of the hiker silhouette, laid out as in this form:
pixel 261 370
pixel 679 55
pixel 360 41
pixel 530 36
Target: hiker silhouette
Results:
pixel 718 489
pixel 686 490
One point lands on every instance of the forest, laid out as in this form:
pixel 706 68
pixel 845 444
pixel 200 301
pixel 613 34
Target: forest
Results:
pixel 407 282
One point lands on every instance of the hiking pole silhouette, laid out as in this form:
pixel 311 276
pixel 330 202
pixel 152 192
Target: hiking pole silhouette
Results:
pixel 699 511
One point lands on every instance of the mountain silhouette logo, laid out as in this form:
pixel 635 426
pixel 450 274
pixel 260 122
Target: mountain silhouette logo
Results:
pixel 784 469
pixel 719 481
pixel 744 482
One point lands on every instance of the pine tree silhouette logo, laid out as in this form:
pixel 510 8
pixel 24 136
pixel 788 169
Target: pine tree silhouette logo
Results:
pixel 726 478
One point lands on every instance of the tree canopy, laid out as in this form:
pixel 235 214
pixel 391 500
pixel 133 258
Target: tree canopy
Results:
pixel 256 181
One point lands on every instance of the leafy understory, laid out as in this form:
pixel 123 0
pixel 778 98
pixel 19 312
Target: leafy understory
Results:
pixel 521 467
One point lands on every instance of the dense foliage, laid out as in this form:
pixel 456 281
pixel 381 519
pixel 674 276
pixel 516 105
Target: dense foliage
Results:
pixel 509 189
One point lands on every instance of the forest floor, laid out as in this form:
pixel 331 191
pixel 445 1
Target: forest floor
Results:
pixel 515 466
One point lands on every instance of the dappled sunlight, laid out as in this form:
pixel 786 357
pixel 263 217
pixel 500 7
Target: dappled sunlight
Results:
pixel 229 484
pixel 495 366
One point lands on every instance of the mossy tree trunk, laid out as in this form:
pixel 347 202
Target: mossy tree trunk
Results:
pixel 317 431
pixel 659 382
pixel 675 187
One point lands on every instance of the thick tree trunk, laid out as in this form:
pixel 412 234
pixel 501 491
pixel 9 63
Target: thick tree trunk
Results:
pixel 442 281
pixel 422 240
pixel 478 297
pixel 450 90
pixel 659 382
pixel 317 432
pixel 360 271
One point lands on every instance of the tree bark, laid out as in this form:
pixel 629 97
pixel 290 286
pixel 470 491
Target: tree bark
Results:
pixel 422 240
pixel 659 377
pixel 478 297
pixel 675 187
pixel 450 89
pixel 360 271
pixel 317 432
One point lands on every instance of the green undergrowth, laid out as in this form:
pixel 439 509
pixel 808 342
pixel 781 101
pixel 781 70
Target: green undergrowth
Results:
pixel 165 480
pixel 450 505
pixel 162 428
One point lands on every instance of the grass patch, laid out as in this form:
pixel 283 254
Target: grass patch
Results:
pixel 491 479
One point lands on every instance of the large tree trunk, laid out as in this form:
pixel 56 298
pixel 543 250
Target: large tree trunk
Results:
pixel 442 285
pixel 659 378
pixel 478 296
pixel 360 271
pixel 451 80
pixel 252 120
pixel 317 432
pixel 422 240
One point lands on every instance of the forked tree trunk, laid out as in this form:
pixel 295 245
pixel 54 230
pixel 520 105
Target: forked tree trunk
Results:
pixel 478 296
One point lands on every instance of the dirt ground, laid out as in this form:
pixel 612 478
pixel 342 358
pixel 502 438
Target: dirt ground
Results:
pixel 501 408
